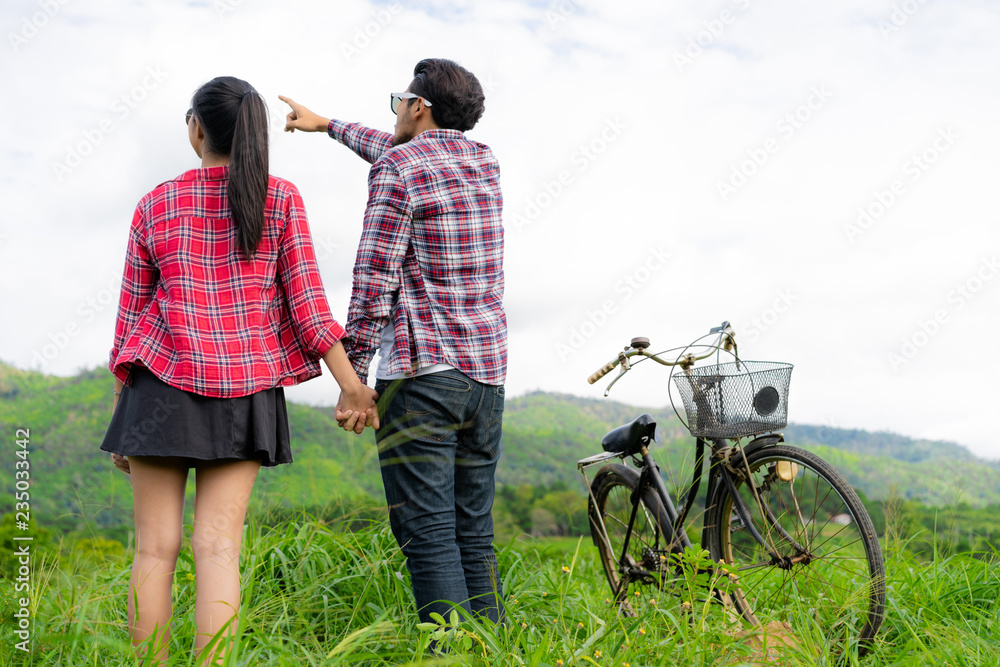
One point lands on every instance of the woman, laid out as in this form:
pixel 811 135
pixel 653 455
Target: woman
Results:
pixel 221 306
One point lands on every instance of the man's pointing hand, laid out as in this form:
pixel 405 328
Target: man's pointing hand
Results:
pixel 301 118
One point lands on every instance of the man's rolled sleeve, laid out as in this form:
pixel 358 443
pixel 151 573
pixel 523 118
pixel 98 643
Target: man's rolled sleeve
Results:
pixel 385 238
pixel 315 327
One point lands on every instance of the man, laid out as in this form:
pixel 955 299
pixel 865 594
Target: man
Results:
pixel 428 294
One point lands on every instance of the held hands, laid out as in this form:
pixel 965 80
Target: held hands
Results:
pixel 301 118
pixel 357 409
pixel 121 463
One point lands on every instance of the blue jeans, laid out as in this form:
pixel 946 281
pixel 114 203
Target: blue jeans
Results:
pixel 439 445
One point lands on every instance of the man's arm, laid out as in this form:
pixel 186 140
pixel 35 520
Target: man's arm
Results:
pixel 369 144
pixel 300 280
pixel 385 239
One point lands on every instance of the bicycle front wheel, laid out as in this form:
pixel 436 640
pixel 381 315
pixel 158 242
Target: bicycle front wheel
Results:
pixel 819 563
pixel 611 506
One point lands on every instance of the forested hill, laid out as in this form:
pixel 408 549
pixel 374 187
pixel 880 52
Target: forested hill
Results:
pixel 882 443
pixel 544 435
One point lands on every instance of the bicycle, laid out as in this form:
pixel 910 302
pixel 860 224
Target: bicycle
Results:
pixel 788 537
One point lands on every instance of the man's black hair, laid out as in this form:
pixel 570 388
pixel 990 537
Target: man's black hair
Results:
pixel 456 98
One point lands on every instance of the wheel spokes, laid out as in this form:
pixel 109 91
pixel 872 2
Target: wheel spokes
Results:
pixel 823 571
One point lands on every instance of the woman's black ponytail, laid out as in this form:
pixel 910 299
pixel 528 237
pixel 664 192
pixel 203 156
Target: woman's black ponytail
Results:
pixel 234 119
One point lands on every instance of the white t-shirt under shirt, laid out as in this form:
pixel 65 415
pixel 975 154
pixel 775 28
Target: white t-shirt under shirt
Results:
pixel 385 348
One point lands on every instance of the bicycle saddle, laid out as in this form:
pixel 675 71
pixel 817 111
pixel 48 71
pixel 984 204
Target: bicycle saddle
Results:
pixel 628 439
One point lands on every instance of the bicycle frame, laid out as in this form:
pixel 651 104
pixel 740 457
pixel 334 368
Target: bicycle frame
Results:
pixel 719 472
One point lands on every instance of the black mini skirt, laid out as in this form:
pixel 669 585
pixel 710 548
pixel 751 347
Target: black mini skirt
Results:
pixel 155 419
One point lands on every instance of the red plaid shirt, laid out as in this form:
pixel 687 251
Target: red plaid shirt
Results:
pixel 203 318
pixel 431 254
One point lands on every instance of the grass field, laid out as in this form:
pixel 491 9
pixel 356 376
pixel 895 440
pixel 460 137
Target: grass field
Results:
pixel 317 595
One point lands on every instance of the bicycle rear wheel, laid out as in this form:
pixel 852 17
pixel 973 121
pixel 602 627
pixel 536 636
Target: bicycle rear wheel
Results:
pixel 611 506
pixel 820 563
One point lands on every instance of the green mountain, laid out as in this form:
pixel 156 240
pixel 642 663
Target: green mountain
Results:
pixel 544 434
pixel 74 489
pixel 883 443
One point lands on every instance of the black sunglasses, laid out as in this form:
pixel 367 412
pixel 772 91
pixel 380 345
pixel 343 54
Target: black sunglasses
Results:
pixel 187 116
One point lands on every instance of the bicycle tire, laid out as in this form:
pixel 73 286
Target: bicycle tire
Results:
pixel 839 582
pixel 611 506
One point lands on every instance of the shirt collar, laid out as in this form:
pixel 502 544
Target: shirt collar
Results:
pixel 440 133
pixel 206 174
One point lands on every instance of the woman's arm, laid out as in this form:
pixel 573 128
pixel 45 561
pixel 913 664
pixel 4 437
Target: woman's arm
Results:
pixel 139 280
pixel 315 327
pixel 356 408
pixel 120 461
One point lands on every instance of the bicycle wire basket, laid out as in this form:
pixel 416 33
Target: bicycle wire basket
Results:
pixel 735 399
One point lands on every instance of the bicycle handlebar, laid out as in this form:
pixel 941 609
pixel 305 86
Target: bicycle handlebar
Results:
pixel 726 341
pixel 607 368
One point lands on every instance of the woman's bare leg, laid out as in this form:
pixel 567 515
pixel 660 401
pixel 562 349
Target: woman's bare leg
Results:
pixel 158 501
pixel 222 492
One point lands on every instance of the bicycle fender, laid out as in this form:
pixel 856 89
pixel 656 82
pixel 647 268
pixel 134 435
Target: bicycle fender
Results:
pixel 762 441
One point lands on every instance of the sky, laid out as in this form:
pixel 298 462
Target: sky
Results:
pixel 821 175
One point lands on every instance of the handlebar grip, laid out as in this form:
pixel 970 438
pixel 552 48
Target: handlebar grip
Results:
pixel 608 367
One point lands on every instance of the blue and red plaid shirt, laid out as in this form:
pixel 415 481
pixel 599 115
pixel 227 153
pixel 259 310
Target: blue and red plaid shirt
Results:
pixel 431 254
pixel 203 318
